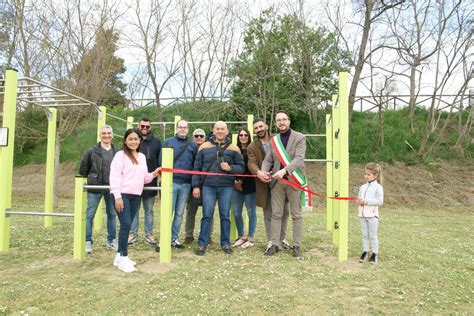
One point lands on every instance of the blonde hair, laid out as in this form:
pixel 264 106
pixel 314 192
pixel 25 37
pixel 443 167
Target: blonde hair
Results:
pixel 375 169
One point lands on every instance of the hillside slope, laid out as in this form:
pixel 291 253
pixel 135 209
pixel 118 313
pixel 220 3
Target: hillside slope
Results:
pixel 443 184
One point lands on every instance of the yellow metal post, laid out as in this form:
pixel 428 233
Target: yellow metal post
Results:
pixel 250 125
pixel 233 227
pixel 79 219
pixel 329 169
pixel 101 121
pixel 129 122
pixel 6 157
pixel 176 119
pixel 344 165
pixel 166 204
pixel 49 184
pixel 336 157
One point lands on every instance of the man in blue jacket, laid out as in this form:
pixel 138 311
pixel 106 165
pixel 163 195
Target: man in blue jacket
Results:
pixel 184 151
pixel 150 146
pixel 216 155
pixel 95 165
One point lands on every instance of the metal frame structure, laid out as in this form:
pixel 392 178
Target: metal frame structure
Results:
pixel 17 92
pixel 39 94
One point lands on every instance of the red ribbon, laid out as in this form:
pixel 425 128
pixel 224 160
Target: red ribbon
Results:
pixel 292 184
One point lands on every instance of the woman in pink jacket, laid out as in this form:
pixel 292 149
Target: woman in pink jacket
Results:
pixel 128 174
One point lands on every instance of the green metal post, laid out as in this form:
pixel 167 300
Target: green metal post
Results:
pixel 6 157
pixel 129 122
pixel 49 184
pixel 101 121
pixel 336 157
pixel 166 204
pixel 329 169
pixel 344 165
pixel 79 219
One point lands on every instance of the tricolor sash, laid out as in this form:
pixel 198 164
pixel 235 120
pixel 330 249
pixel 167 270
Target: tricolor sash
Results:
pixel 297 176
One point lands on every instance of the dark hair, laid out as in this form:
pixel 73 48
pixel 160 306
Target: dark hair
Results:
pixel 145 119
pixel 258 119
pixel 127 150
pixel 239 144
pixel 284 112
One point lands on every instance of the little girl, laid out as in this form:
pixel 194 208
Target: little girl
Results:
pixel 370 198
pixel 128 174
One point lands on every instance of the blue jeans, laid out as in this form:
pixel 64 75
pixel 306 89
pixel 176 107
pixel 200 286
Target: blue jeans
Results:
pixel 180 197
pixel 148 203
pixel 223 195
pixel 93 200
pixel 131 204
pixel 238 200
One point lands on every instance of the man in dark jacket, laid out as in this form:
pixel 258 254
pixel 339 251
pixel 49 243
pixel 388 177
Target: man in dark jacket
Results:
pixel 150 146
pixel 95 165
pixel 256 153
pixel 216 155
pixel 185 151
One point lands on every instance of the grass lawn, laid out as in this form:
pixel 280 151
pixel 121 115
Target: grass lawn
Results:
pixel 426 266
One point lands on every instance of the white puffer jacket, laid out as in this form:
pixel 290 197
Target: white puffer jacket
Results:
pixel 372 193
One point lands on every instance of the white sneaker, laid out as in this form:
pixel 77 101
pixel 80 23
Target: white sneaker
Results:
pixel 88 246
pixel 239 242
pixel 112 244
pixel 119 258
pixel 126 265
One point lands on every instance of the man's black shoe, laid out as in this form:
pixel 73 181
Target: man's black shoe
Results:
pixel 227 250
pixel 157 247
pixel 176 244
pixel 364 256
pixel 271 251
pixel 188 240
pixel 297 252
pixel 200 251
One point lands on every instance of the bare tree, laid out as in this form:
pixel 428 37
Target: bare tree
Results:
pixel 370 12
pixel 156 38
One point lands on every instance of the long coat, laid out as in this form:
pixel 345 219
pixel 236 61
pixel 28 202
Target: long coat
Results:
pixel 256 154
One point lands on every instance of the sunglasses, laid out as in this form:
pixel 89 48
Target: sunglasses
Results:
pixel 243 135
pixel 198 136
pixel 145 126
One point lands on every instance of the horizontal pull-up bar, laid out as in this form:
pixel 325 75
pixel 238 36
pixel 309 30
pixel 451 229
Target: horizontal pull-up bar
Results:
pixel 318 160
pixel 39 214
pixel 103 187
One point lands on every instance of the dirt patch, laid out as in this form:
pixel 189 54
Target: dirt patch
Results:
pixel 442 183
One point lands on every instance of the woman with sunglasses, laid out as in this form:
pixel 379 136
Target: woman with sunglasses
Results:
pixel 244 192
pixel 128 174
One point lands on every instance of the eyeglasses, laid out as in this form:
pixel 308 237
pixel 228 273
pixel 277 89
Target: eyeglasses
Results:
pixel 182 127
pixel 243 135
pixel 198 136
pixel 282 120
pixel 145 126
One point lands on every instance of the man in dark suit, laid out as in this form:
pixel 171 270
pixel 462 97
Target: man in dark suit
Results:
pixel 285 160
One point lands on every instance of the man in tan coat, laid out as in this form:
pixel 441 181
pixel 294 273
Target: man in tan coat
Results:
pixel 285 159
pixel 256 153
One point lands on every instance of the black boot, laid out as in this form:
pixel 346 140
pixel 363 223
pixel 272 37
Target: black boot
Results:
pixel 364 256
pixel 373 259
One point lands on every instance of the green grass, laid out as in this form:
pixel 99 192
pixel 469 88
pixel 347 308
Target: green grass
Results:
pixel 426 265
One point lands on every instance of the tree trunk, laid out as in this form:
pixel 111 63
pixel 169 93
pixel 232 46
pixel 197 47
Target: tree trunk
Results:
pixel 361 58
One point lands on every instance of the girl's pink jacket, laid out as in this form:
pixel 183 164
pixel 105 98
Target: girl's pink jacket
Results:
pixel 126 177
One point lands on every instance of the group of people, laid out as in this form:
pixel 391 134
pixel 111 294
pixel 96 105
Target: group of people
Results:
pixel 249 173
